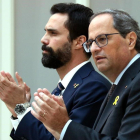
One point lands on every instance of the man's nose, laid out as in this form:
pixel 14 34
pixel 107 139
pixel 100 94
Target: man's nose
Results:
pixel 94 47
pixel 45 40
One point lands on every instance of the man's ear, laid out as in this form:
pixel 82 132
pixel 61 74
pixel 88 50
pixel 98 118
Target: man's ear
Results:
pixel 79 41
pixel 131 38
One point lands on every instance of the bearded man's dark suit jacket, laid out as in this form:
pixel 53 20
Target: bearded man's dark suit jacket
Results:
pixel 120 121
pixel 82 102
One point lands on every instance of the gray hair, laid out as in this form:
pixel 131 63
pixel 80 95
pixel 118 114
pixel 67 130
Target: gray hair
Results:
pixel 124 23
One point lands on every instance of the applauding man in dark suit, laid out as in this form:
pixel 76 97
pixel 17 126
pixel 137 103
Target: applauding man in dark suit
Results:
pixel 83 89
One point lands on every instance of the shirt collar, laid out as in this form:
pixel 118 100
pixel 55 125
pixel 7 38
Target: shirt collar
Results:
pixel 129 64
pixel 70 74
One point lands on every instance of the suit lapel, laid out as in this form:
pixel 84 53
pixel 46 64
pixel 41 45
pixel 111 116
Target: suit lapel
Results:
pixel 70 88
pixel 77 80
pixel 100 111
pixel 126 79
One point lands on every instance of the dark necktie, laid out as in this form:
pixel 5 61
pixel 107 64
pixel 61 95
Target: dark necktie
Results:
pixel 111 91
pixel 58 89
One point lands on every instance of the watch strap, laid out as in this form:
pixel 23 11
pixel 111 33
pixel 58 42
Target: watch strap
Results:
pixel 13 118
pixel 27 104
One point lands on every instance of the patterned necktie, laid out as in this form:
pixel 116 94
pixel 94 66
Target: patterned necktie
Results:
pixel 111 91
pixel 58 89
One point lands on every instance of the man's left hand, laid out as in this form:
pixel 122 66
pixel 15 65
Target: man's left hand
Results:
pixel 51 111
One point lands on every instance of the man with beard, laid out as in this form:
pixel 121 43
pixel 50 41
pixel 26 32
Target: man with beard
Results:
pixel 83 88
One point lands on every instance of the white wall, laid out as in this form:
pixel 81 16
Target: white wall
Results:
pixel 6 58
pixel 132 7
pixel 84 2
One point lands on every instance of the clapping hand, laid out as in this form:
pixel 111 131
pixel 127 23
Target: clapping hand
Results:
pixel 51 111
pixel 12 93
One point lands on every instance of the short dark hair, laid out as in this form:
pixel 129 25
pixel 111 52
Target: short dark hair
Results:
pixel 78 19
pixel 124 23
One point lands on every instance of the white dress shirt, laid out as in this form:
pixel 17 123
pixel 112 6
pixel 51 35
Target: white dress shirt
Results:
pixel 65 81
pixel 116 82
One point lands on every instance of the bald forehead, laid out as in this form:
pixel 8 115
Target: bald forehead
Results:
pixel 101 24
pixel 103 18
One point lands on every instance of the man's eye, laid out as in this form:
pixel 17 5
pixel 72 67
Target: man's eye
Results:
pixel 53 33
pixel 101 39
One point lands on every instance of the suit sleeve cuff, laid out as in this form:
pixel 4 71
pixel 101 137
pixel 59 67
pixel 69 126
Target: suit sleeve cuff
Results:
pixel 64 129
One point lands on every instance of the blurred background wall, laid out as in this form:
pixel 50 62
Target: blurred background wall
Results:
pixel 22 25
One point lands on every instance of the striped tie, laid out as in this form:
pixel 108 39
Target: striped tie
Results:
pixel 58 89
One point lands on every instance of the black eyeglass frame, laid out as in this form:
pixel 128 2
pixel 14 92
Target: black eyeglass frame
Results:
pixel 92 40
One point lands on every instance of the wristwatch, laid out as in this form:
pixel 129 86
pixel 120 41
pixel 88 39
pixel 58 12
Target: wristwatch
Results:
pixel 21 108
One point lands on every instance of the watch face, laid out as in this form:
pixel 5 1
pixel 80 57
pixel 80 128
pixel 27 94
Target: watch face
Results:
pixel 19 109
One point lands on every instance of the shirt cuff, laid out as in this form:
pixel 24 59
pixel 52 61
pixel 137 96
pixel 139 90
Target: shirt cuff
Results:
pixel 64 129
pixel 16 122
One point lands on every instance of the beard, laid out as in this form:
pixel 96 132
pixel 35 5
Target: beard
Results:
pixel 57 59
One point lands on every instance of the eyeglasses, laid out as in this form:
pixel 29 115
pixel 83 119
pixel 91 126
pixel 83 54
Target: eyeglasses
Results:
pixel 100 40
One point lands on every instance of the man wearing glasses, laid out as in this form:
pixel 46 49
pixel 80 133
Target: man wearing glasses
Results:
pixel 114 41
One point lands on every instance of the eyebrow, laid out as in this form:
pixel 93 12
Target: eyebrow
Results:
pixel 50 30
pixel 97 36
